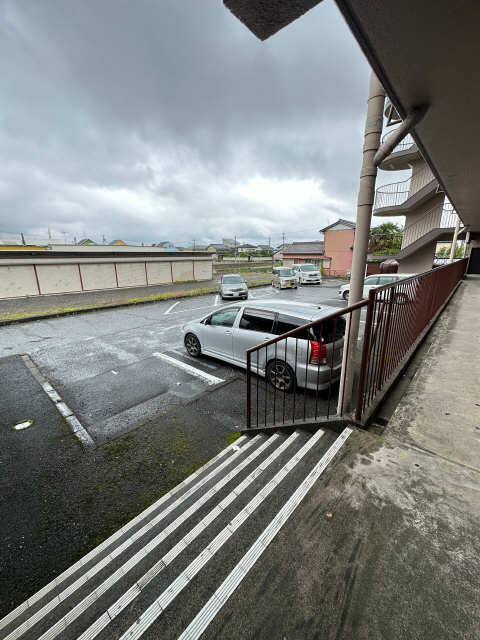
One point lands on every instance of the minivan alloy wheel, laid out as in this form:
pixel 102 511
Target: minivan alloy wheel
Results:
pixel 192 345
pixel 280 375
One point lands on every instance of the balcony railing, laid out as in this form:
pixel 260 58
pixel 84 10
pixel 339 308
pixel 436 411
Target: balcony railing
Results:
pixel 396 193
pixel 293 378
pixel 436 218
pixel 405 144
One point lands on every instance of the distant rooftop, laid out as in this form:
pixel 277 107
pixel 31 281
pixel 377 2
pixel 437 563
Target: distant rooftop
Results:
pixel 339 225
pixel 315 246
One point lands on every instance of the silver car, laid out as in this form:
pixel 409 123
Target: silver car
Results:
pixel 315 357
pixel 233 286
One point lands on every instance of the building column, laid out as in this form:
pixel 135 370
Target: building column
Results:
pixel 366 195
pixel 454 242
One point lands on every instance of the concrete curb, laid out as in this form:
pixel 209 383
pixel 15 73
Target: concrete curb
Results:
pixel 107 306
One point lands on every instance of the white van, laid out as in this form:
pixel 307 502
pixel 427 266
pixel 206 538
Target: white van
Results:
pixel 307 274
pixel 284 278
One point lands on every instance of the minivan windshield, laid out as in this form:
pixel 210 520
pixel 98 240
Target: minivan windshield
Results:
pixel 285 272
pixel 232 280
pixel 308 267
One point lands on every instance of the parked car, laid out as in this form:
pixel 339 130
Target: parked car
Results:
pixel 316 356
pixel 372 282
pixel 284 278
pixel 233 286
pixel 307 274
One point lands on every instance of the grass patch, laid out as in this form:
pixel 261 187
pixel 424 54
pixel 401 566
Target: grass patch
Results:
pixel 230 439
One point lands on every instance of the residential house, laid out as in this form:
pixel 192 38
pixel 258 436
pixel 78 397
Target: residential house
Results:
pixel 302 252
pixel 219 249
pixel 117 242
pixel 338 240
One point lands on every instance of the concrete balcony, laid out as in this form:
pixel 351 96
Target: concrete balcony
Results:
pixel 400 198
pixel 403 154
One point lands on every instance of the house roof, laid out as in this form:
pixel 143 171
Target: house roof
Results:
pixel 347 223
pixel 220 246
pixel 117 242
pixel 316 246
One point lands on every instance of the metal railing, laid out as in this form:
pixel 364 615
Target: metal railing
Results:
pixel 435 218
pixel 293 378
pixel 396 193
pixel 398 315
pixel 405 144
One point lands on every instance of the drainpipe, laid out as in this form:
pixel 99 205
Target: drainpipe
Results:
pixel 454 242
pixel 366 194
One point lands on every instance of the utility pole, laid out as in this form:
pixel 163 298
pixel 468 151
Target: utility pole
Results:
pixel 194 244
pixel 454 242
pixel 236 252
pixel 366 193
pixel 23 238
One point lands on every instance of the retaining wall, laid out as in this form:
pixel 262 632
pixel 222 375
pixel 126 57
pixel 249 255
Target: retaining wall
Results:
pixel 48 274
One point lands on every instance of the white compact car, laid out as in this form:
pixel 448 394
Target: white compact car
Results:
pixel 314 359
pixel 283 278
pixel 307 274
pixel 373 282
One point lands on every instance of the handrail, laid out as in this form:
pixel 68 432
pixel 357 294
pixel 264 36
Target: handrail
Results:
pixel 406 143
pixel 395 194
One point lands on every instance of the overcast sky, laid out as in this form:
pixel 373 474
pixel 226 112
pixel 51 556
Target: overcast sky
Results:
pixel 167 119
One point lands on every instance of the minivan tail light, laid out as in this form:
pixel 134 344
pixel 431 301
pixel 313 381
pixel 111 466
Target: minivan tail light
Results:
pixel 318 353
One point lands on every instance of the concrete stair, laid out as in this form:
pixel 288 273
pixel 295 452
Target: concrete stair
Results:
pixel 171 569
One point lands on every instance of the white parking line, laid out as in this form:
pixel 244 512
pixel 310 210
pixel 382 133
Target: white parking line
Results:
pixel 170 308
pixel 217 300
pixel 191 309
pixel 189 369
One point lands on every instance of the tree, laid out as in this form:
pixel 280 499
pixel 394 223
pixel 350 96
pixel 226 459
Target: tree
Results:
pixel 386 227
pixel 386 238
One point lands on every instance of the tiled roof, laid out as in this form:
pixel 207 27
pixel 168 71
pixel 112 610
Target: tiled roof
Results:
pixel 347 223
pixel 315 246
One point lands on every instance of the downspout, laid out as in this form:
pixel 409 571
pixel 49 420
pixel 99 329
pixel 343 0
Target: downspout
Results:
pixel 366 194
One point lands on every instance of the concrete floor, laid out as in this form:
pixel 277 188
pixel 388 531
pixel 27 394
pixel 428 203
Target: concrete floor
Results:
pixel 386 546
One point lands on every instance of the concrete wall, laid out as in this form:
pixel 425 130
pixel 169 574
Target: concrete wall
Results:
pixel 420 261
pixel 31 276
pixel 421 175
pixel 417 223
pixel 337 247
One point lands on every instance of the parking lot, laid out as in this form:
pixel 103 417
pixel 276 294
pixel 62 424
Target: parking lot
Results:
pixel 120 367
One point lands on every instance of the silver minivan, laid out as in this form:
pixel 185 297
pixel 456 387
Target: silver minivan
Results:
pixel 284 278
pixel 314 357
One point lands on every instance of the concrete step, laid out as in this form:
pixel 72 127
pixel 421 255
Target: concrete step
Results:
pixel 160 570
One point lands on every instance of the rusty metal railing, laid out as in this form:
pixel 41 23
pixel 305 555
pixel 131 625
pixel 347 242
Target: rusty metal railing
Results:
pixel 398 315
pixel 294 377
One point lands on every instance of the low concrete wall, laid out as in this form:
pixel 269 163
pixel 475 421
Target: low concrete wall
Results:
pixel 50 274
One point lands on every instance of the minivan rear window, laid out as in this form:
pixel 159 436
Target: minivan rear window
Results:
pixel 328 330
pixel 257 320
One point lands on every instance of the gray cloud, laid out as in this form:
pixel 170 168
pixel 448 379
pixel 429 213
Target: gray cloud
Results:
pixel 159 119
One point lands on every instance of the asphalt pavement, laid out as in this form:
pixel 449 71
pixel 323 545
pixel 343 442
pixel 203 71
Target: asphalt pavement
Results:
pixel 106 365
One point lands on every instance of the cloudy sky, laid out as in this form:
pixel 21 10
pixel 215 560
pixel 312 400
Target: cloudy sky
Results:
pixel 168 119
